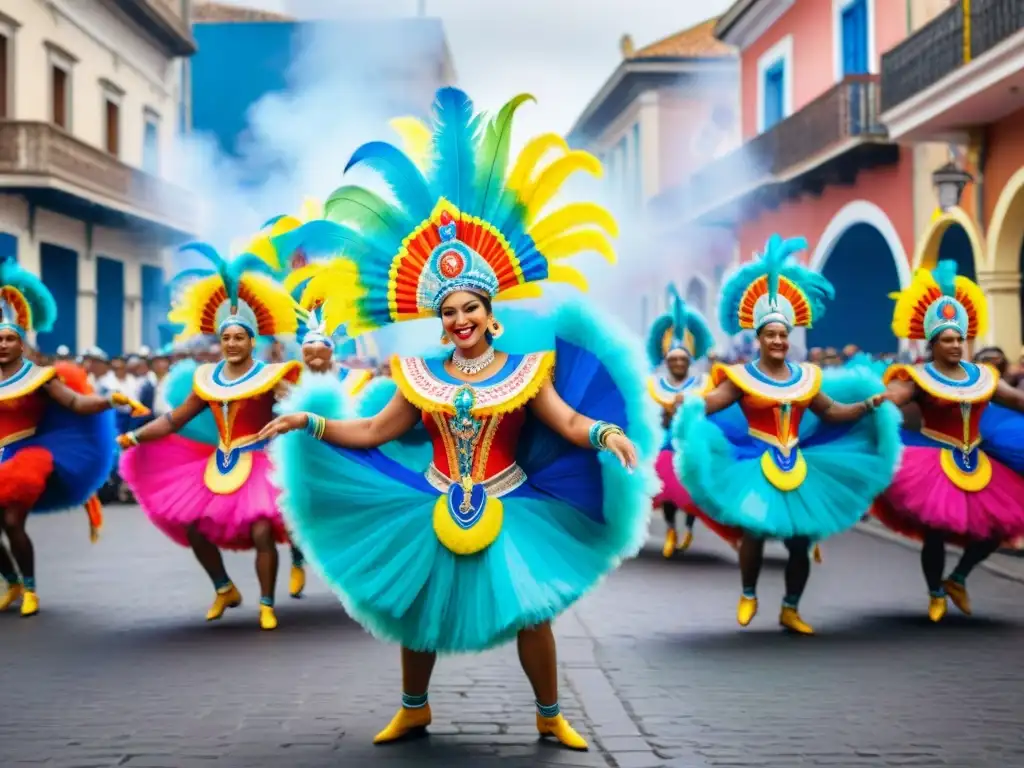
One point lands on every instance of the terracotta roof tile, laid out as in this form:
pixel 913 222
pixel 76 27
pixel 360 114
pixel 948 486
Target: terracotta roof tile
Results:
pixel 209 11
pixel 697 42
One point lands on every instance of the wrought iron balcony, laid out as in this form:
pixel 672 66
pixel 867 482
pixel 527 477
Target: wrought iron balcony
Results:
pixel 40 158
pixel 814 138
pixel 938 48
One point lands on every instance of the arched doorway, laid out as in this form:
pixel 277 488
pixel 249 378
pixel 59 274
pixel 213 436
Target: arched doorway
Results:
pixel 955 245
pixel 862 267
pixel 1005 258
pixel 697 296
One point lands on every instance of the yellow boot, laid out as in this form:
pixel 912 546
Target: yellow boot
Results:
pixel 558 727
pixel 297 581
pixel 226 597
pixel 817 554
pixel 11 596
pixel 687 540
pixel 407 723
pixel 789 618
pixel 671 542
pixel 29 603
pixel 268 619
pixel 958 594
pixel 937 608
pixel 746 610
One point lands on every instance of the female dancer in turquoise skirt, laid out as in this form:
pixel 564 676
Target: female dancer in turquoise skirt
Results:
pixel 533 492
pixel 676 339
pixel 794 476
pixel 959 480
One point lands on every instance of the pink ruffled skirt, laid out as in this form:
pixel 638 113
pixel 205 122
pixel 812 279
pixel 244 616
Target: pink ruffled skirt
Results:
pixel 922 498
pixel 166 477
pixel 672 491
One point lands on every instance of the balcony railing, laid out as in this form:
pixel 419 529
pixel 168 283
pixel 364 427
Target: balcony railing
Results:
pixel 44 151
pixel 849 110
pixel 937 49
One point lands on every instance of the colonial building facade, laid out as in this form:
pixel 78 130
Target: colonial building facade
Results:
pixel 89 96
pixel 666 109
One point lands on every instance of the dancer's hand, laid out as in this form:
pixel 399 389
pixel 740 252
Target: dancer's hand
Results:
pixel 127 440
pixel 138 409
pixel 282 425
pixel 622 448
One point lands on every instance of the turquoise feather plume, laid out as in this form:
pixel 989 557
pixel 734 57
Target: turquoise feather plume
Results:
pixel 230 270
pixel 774 263
pixel 945 275
pixel 177 388
pixel 492 156
pixel 38 296
pixel 406 181
pixel 454 171
pixel 680 319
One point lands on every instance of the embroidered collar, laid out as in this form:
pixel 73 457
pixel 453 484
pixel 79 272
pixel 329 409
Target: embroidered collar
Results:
pixel 979 385
pixel 428 386
pixel 209 382
pixel 802 385
pixel 26 380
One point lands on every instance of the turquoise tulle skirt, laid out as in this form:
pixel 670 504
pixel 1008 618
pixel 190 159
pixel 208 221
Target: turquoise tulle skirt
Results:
pixel 848 465
pixel 364 520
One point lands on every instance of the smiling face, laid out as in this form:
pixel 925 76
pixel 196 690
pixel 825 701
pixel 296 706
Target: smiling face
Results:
pixel 465 317
pixel 773 339
pixel 678 363
pixel 11 346
pixel 317 357
pixel 236 344
pixel 948 347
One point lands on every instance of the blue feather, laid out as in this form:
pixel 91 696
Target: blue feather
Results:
pixel 678 309
pixel 322 239
pixel 454 149
pixel 945 275
pixel 406 181
pixel 38 296
pixel 272 221
pixel 188 275
pixel 659 328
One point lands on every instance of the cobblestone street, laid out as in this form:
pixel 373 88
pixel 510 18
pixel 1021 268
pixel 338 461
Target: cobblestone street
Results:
pixel 121 669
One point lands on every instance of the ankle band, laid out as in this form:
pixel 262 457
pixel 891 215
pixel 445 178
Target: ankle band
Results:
pixel 940 592
pixel 30 583
pixel 548 711
pixel 958 578
pixel 222 585
pixel 750 592
pixel 414 702
pixel 267 601
pixel 791 601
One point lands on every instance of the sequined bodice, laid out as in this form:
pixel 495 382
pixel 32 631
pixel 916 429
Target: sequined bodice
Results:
pixel 486 447
pixel 22 402
pixel 773 409
pixel 241 420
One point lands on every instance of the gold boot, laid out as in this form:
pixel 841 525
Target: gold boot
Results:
pixel 687 540
pixel 789 618
pixel 227 597
pixel 11 596
pixel 937 608
pixel 297 581
pixel 558 727
pixel 957 592
pixel 268 619
pixel 671 543
pixel 746 610
pixel 817 554
pixel 29 603
pixel 407 723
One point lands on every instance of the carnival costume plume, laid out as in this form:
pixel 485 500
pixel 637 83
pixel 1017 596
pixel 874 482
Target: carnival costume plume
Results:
pixel 462 220
pixel 25 302
pixel 937 300
pixel 679 328
pixel 774 288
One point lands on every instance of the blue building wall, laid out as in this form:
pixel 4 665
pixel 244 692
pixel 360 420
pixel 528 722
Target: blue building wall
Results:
pixel 58 269
pixel 109 294
pixel 8 245
pixel 155 304
pixel 862 269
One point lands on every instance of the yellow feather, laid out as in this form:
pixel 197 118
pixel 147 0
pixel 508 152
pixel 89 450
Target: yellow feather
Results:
pixel 561 273
pixel 970 290
pixel 580 241
pixel 909 302
pixel 277 302
pixel 294 278
pixel 311 209
pixel 336 285
pixel 284 224
pixel 517 292
pixel 262 247
pixel 572 216
pixel 416 139
pixel 527 161
pixel 189 310
pixel 553 178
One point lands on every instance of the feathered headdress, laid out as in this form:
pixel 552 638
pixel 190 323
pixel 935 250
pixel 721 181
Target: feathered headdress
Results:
pixel 26 304
pixel 323 311
pixel 679 328
pixel 774 288
pixel 238 291
pixel 262 244
pixel 462 220
pixel 937 300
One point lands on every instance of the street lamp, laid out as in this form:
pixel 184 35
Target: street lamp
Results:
pixel 949 182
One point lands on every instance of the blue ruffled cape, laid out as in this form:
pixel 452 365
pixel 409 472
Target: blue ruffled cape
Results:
pixel 364 520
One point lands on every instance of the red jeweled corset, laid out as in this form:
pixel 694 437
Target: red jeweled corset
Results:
pixel 772 421
pixel 956 424
pixel 19 416
pixel 494 447
pixel 241 420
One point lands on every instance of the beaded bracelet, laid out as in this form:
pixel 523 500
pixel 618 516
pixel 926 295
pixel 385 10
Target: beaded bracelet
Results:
pixel 600 431
pixel 316 425
pixel 133 439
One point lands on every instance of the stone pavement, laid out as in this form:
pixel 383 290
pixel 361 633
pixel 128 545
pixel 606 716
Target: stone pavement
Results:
pixel 121 670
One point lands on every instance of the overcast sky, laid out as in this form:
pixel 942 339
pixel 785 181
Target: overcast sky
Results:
pixel 562 51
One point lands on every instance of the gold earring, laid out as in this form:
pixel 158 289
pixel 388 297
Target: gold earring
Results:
pixel 496 328
pixel 444 338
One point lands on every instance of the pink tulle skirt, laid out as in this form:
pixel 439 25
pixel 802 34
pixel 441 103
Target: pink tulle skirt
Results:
pixel 922 498
pixel 672 491
pixel 166 477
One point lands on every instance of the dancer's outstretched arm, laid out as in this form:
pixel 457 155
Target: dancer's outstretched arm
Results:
pixel 827 409
pixel 397 418
pixel 167 425
pixel 1009 397
pixel 88 405
pixel 579 429
pixel 721 397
